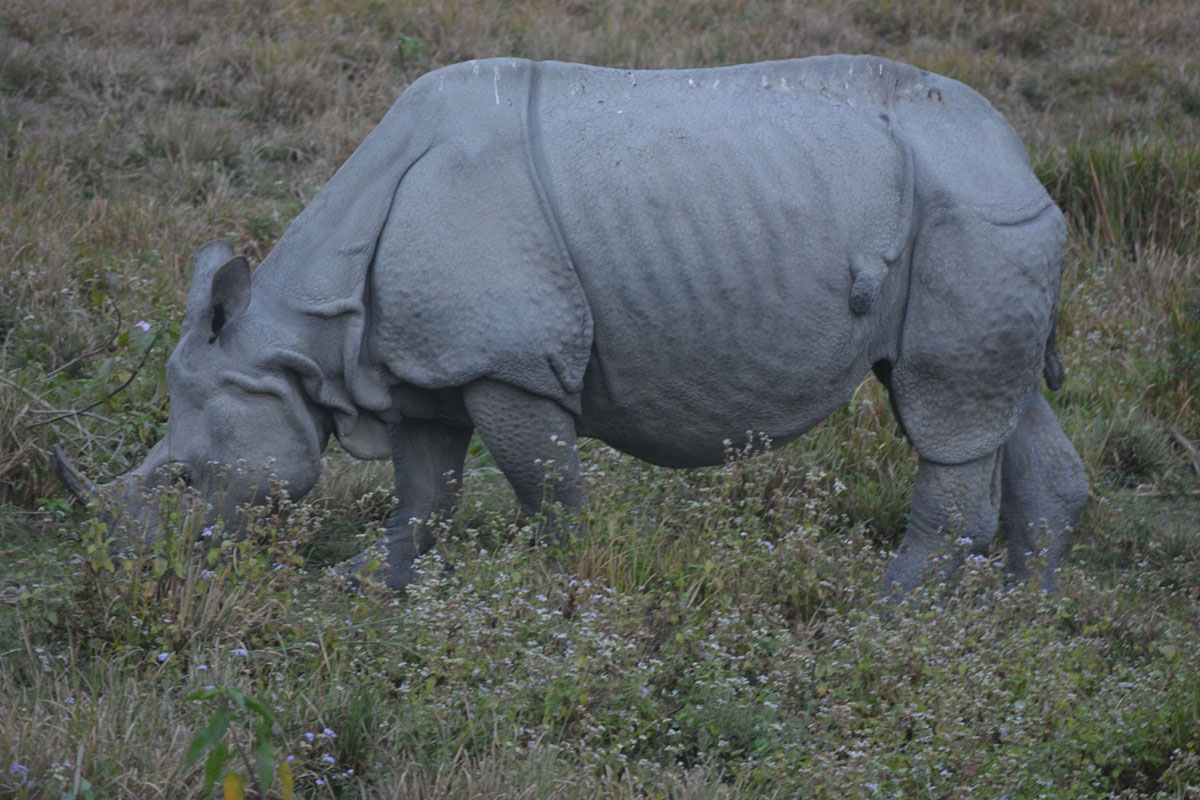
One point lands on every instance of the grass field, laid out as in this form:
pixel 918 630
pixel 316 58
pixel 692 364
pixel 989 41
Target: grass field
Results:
pixel 708 634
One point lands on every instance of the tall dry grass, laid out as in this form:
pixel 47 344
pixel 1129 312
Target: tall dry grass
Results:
pixel 134 131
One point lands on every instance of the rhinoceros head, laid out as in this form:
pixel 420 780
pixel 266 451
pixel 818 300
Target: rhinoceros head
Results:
pixel 238 415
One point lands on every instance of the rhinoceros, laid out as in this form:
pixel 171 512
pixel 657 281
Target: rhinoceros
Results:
pixel 667 261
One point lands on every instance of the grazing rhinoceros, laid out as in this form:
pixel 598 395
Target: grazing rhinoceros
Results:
pixel 663 260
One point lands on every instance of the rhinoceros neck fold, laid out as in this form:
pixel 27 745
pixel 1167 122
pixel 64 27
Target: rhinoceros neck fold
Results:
pixel 315 281
pixel 432 257
pixel 324 348
pixel 442 264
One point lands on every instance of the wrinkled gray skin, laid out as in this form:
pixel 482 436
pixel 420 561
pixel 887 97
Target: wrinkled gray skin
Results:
pixel 661 260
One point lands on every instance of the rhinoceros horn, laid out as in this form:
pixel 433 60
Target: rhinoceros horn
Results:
pixel 80 487
pixel 125 496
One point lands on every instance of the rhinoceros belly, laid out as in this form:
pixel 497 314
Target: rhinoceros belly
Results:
pixel 711 217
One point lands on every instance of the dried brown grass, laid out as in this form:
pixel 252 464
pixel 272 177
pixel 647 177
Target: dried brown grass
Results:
pixel 537 772
pixel 132 131
pixel 135 130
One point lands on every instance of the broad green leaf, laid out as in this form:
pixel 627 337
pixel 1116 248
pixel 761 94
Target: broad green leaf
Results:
pixel 264 754
pixel 214 764
pixel 236 696
pixel 260 708
pixel 208 738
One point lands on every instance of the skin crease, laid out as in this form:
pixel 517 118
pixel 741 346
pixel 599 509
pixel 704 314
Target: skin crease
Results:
pixel 663 260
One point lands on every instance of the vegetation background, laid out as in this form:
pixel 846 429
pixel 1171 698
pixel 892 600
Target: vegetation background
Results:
pixel 711 634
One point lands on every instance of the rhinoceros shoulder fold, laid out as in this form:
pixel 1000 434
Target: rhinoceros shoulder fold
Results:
pixel 471 277
pixel 318 273
pixel 428 258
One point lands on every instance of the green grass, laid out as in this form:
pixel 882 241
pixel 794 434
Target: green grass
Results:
pixel 1131 193
pixel 706 634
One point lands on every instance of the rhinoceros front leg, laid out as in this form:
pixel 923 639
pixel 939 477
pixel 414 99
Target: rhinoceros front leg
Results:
pixel 428 457
pixel 533 442
pixel 951 503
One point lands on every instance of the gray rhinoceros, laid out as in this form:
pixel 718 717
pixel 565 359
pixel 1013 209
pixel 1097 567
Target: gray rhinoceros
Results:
pixel 662 260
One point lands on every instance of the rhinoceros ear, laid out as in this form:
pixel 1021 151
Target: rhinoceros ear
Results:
pixel 211 256
pixel 230 293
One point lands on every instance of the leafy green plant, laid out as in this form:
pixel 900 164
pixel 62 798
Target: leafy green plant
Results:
pixel 184 577
pixel 232 705
pixel 409 49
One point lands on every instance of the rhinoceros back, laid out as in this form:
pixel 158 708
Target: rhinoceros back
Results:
pixel 732 228
pixel 718 220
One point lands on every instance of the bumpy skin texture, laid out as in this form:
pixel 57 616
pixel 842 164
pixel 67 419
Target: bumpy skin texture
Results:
pixel 664 260
pixel 1042 491
pixel 428 457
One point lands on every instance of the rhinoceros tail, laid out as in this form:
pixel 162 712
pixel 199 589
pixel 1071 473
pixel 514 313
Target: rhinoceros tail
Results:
pixel 868 273
pixel 1052 368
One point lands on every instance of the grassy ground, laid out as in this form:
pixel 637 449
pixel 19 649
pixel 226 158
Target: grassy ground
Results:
pixel 710 634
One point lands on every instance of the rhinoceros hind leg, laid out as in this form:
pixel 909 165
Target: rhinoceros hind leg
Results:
pixel 428 457
pixel 533 441
pixel 1044 490
pixel 951 504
